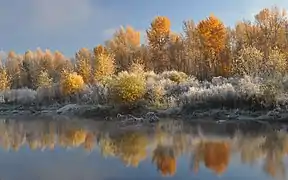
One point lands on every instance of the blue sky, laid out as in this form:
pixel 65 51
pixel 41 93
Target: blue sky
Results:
pixel 68 25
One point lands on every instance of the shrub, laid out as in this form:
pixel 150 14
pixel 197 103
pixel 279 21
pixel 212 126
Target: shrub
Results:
pixel 128 87
pixel 71 83
pixel 248 62
pixel 276 62
pixel 44 80
pixel 175 76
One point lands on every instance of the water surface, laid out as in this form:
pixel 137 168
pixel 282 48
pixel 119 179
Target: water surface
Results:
pixel 68 149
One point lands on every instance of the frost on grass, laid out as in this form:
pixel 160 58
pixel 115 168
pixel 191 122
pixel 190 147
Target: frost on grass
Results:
pixel 167 90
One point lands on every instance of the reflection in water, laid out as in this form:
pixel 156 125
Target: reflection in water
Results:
pixel 162 145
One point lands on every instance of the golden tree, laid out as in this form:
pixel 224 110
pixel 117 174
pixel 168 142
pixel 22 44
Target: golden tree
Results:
pixel 71 83
pixel 158 37
pixel 83 64
pixel 124 44
pixel 4 79
pixel 60 63
pixel 213 38
pixel 271 23
pixel 104 63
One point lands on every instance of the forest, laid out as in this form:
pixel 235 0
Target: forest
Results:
pixel 207 63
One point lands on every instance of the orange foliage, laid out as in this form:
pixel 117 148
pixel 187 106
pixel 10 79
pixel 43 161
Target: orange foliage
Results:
pixel 99 50
pixel 76 137
pixel 159 31
pixel 213 34
pixel 158 38
pixel 165 161
pixel 89 142
pixel 216 156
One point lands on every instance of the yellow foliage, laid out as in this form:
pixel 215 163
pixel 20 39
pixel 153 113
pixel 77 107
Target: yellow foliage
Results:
pixel 43 80
pixel 160 27
pixel 128 87
pixel 71 83
pixel 213 34
pixel 104 63
pixel 131 148
pixel 4 80
pixel 136 68
pixel 83 62
pixel 76 137
pixel 158 37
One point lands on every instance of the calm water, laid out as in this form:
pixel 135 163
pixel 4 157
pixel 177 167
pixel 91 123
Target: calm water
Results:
pixel 86 150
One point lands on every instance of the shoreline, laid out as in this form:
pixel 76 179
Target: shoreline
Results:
pixel 144 114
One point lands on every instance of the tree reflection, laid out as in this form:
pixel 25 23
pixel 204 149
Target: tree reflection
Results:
pixel 165 161
pixel 131 147
pixel 215 155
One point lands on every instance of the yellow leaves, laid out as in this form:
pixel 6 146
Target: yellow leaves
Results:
pixel 159 31
pixel 4 79
pixel 71 83
pixel 160 25
pixel 104 63
pixel 213 33
pixel 100 50
pixel 43 80
pixel 83 63
pixel 76 137
pixel 128 87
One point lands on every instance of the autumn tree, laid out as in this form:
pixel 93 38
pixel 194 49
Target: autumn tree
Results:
pixel 213 35
pixel 4 79
pixel 13 67
pixel 271 23
pixel 71 83
pixel 60 63
pixel 192 61
pixel 43 80
pixel 83 64
pixel 176 51
pixel 125 46
pixel 158 38
pixel 104 63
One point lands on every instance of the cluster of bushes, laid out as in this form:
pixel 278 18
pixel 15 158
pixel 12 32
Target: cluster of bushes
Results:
pixel 170 89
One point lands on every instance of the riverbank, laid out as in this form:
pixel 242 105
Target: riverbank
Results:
pixel 144 114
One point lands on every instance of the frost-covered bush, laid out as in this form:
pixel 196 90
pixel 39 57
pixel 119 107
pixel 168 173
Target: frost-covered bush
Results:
pixel 248 62
pixel 20 96
pixel 174 76
pixel 49 94
pixel 128 87
pixel 276 62
pixel 95 94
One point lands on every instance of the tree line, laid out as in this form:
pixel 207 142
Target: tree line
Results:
pixel 204 49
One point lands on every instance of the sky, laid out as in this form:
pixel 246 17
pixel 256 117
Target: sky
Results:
pixel 68 25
